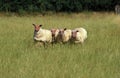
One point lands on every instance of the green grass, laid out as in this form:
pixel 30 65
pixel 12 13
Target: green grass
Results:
pixel 98 57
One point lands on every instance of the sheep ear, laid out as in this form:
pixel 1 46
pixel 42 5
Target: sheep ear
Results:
pixel 33 24
pixel 40 25
pixel 65 28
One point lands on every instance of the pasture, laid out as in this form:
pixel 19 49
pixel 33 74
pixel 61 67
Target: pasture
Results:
pixel 98 57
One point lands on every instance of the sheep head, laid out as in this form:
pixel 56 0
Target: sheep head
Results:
pixel 61 31
pixel 53 31
pixel 37 27
pixel 74 34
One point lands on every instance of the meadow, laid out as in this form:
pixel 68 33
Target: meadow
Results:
pixel 98 57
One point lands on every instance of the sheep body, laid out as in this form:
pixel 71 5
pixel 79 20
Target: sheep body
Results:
pixel 43 35
pixel 66 36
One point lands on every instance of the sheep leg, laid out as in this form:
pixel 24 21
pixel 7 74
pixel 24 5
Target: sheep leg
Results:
pixel 44 44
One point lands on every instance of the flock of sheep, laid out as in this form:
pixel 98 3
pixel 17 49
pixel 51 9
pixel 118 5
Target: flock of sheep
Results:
pixel 77 35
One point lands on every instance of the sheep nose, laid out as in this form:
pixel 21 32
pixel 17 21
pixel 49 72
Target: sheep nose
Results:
pixel 53 35
pixel 36 30
pixel 73 36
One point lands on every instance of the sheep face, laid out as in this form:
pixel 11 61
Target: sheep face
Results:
pixel 37 27
pixel 53 32
pixel 61 31
pixel 74 34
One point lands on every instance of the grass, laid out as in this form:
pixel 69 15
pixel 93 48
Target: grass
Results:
pixel 98 57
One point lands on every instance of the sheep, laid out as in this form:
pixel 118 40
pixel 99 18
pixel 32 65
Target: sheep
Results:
pixel 65 34
pixel 55 33
pixel 59 37
pixel 42 35
pixel 79 35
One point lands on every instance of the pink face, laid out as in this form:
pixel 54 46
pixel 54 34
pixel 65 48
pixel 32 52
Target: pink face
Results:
pixel 74 33
pixel 37 27
pixel 53 31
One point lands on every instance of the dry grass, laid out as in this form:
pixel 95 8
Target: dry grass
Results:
pixel 99 57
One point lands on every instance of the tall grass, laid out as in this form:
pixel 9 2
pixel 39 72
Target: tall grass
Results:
pixel 98 57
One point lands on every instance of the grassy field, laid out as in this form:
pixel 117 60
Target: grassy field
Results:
pixel 98 57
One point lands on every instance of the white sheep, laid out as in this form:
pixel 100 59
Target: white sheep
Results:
pixel 42 35
pixel 66 35
pixel 79 35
